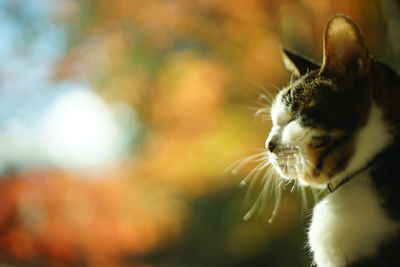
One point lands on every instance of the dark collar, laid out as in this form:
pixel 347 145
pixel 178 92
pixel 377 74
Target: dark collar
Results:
pixel 332 188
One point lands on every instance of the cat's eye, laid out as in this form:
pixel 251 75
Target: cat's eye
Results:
pixel 285 121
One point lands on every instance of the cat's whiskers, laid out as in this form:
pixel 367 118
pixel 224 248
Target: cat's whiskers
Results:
pixel 264 113
pixel 266 90
pixel 305 164
pixel 236 166
pixel 293 186
pixel 269 177
pixel 255 172
pixel 292 163
pixel 298 166
pixel 262 108
pixel 264 101
pixel 262 197
pixel 254 176
pixel 265 171
pixel 278 199
pixel 304 200
pixel 291 167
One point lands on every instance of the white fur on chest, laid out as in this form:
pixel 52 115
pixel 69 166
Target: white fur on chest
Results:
pixel 349 224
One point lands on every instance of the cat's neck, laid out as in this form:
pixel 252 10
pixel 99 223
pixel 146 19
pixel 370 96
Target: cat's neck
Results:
pixel 371 140
pixel 341 221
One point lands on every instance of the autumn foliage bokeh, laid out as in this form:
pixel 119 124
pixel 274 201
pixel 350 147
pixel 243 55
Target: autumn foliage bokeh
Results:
pixel 192 70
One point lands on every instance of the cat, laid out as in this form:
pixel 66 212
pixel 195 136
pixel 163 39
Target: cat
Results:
pixel 337 126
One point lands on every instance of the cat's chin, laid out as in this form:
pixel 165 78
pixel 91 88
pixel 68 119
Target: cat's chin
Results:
pixel 302 174
pixel 288 176
pixel 306 180
pixel 285 172
pixel 301 181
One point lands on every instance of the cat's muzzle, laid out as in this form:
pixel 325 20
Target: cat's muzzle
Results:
pixel 286 161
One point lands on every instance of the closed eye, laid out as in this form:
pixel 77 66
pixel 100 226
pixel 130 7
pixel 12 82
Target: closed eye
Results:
pixel 293 119
pixel 284 123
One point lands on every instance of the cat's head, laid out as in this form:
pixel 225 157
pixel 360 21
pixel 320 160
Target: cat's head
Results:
pixel 325 122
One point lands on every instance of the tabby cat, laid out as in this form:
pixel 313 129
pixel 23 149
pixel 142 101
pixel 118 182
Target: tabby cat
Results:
pixel 337 126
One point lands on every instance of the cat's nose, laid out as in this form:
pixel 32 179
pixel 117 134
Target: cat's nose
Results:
pixel 271 146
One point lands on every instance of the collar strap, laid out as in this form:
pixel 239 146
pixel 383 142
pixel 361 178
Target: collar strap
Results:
pixel 332 188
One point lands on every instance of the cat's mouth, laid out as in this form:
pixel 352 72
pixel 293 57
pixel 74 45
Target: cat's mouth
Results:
pixel 287 162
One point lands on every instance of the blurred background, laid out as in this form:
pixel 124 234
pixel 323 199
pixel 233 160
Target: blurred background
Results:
pixel 118 119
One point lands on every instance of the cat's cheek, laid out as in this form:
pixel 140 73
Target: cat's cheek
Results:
pixel 327 162
pixel 314 175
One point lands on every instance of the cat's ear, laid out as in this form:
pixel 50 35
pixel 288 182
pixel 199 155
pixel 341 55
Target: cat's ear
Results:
pixel 298 65
pixel 344 49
